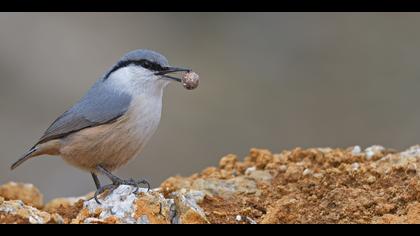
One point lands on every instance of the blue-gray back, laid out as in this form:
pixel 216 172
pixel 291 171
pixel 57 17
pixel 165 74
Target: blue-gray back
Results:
pixel 100 105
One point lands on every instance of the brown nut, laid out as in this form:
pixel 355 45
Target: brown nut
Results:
pixel 190 80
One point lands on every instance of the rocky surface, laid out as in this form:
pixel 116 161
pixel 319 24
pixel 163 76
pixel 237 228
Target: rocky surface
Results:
pixel 318 185
pixel 27 193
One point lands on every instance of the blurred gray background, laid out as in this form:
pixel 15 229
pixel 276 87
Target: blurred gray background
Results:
pixel 268 80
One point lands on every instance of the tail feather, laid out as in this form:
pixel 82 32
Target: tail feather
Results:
pixel 24 158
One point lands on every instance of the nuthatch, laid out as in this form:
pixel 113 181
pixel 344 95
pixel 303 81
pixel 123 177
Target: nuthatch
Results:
pixel 113 122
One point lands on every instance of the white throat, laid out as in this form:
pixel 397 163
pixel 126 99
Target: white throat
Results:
pixel 137 81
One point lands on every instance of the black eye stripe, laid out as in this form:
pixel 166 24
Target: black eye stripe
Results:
pixel 143 63
pixel 149 65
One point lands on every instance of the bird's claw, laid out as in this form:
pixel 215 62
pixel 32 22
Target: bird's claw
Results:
pixel 118 182
pixel 101 190
pixel 137 183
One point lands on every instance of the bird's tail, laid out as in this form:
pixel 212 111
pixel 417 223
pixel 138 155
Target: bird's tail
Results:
pixel 25 157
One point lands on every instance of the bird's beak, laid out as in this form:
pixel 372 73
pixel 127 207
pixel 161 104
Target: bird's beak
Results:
pixel 171 69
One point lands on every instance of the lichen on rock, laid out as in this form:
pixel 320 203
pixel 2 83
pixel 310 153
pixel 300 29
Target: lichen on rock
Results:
pixel 126 206
pixel 17 210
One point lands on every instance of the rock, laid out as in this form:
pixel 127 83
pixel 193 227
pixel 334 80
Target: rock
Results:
pixel 413 152
pixel 187 211
pixel 357 150
pixel 124 206
pixel 250 170
pixel 408 159
pixel 316 185
pixel 226 188
pixel 260 157
pixel 355 166
pixel 27 193
pixel 173 184
pixel 371 179
pixel 120 206
pixel 251 221
pixel 67 202
pixel 283 168
pixel 228 162
pixel 373 151
pixel 66 209
pixel 258 175
pixel 16 211
pixel 307 172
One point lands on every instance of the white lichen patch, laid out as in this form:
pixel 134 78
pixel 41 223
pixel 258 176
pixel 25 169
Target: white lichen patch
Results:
pixel 119 204
pixel 251 221
pixel 356 151
pixel 355 166
pixel 373 150
pixel 187 209
pixel 144 207
pixel 409 159
pixel 307 172
pixel 249 170
pixel 18 208
pixel 197 196
pixel 413 151
pixel 143 220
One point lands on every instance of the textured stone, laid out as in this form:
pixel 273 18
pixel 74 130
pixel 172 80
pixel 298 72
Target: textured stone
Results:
pixel 144 207
pixel 27 193
pixel 16 209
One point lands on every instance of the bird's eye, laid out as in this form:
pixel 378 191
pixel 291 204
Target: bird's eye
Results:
pixel 147 64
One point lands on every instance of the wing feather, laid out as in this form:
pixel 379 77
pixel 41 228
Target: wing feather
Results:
pixel 101 105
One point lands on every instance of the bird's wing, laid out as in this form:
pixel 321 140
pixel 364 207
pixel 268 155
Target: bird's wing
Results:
pixel 100 105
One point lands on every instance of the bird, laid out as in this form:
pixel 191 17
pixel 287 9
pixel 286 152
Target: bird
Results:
pixel 111 124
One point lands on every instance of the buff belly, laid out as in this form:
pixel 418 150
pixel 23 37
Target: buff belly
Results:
pixel 111 145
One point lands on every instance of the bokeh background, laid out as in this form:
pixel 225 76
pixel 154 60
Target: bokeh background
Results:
pixel 268 80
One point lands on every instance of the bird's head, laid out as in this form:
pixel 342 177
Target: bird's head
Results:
pixel 143 68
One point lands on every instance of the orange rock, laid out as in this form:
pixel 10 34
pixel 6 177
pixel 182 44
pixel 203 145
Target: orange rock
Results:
pixel 260 157
pixel 27 193
pixel 228 162
pixel 23 213
pixel 149 208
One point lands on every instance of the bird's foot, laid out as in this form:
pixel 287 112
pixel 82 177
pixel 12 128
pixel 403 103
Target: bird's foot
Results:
pixel 102 189
pixel 116 182
pixel 132 182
